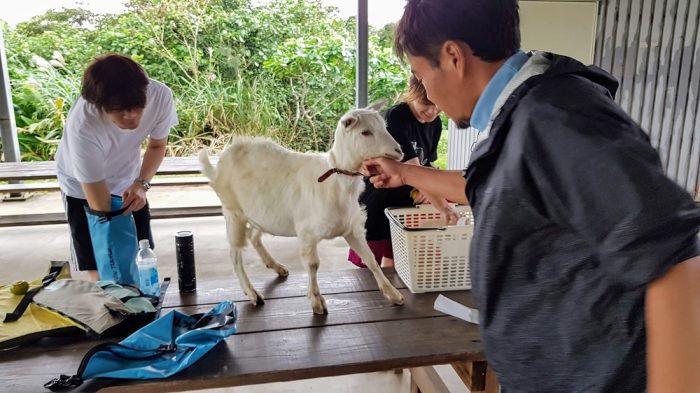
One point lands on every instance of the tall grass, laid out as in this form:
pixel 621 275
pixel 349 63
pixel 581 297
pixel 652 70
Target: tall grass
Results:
pixel 42 103
pixel 211 111
pixel 284 70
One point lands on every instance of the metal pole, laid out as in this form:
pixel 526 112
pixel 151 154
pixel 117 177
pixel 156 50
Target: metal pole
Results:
pixel 362 46
pixel 8 130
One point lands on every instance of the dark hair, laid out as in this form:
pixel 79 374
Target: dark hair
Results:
pixel 416 92
pixel 114 82
pixel 491 28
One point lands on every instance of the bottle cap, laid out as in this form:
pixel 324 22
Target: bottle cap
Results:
pixel 144 243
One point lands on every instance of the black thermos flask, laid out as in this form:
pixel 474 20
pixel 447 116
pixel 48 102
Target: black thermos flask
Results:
pixel 184 251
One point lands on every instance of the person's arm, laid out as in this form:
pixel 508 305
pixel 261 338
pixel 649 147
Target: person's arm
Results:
pixel 386 173
pixel 152 158
pixel 97 195
pixel 672 313
pixel 134 197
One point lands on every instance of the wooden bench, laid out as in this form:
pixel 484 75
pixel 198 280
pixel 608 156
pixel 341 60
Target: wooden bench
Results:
pixel 53 186
pixel 16 174
pixel 33 170
pixel 20 220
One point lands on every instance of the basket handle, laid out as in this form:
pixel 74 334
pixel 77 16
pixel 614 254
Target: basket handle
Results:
pixel 392 218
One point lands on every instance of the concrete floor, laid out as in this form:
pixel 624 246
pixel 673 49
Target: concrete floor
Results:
pixel 33 247
pixel 26 252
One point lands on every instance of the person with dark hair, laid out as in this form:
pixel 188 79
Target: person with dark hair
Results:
pixel 585 259
pixel 415 124
pixel 99 153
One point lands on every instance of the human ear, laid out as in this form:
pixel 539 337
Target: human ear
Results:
pixel 455 55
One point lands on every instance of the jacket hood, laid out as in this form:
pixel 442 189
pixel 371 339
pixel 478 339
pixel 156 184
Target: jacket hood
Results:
pixel 562 65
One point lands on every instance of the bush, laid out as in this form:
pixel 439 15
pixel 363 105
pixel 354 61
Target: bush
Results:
pixel 285 69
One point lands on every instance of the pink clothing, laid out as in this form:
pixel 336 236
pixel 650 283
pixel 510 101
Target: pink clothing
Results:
pixel 380 249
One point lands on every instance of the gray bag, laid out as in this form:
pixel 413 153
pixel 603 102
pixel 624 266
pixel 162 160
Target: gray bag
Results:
pixel 105 308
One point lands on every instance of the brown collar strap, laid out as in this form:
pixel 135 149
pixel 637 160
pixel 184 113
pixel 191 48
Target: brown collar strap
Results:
pixel 339 171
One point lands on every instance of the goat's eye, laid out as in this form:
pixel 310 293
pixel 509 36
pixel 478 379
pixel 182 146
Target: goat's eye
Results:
pixel 366 133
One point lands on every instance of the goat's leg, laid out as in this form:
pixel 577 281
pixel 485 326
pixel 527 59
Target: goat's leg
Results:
pixel 359 244
pixel 236 234
pixel 309 253
pixel 254 235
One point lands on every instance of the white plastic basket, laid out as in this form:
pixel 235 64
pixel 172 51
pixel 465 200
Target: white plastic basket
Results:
pixel 428 255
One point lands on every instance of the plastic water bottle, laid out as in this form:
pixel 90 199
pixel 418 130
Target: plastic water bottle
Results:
pixel 147 263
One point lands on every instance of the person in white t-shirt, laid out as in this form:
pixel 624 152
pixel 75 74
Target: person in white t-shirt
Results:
pixel 100 152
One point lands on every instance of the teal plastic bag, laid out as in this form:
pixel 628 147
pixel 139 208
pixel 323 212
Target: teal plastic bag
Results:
pixel 114 243
pixel 163 348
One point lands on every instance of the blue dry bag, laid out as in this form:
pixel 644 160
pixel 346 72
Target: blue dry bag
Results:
pixel 162 348
pixel 114 243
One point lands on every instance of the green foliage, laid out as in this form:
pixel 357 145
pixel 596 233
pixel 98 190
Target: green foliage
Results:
pixel 41 104
pixel 284 69
pixel 441 162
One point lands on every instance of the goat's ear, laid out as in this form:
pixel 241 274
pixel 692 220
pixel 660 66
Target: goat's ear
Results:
pixel 378 105
pixel 348 121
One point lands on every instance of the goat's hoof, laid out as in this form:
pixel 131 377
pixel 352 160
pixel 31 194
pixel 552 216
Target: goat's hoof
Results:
pixel 319 305
pixel 282 271
pixel 279 268
pixel 394 296
pixel 321 311
pixel 256 299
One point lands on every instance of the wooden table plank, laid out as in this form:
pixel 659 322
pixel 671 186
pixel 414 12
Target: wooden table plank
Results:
pixel 288 314
pixel 335 350
pixel 272 286
pixel 279 356
pixel 343 309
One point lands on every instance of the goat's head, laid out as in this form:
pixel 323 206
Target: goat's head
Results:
pixel 361 134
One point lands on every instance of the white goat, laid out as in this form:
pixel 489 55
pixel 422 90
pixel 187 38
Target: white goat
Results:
pixel 278 191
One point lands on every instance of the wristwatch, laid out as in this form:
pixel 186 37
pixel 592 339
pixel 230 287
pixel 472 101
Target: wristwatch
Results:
pixel 146 185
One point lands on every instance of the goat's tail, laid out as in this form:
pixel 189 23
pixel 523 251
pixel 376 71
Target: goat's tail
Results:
pixel 207 169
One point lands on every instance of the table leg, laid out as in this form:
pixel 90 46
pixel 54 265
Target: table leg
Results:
pixel 478 376
pixel 492 385
pixel 427 380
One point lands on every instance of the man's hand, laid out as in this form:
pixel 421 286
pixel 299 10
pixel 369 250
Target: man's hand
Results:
pixel 386 173
pixel 450 214
pixel 418 197
pixel 383 172
pixel 134 198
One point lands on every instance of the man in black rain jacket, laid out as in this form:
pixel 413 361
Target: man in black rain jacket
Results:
pixel 585 259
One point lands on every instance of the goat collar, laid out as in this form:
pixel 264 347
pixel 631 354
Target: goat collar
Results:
pixel 339 171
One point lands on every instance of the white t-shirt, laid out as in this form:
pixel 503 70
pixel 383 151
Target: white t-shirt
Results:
pixel 93 148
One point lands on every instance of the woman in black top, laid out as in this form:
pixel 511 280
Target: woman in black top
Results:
pixel 415 125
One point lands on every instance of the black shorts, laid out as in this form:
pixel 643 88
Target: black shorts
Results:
pixel 83 258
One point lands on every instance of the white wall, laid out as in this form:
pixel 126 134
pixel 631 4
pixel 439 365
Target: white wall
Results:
pixel 563 27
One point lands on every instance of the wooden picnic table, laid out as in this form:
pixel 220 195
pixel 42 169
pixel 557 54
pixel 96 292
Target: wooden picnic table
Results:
pixel 283 340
